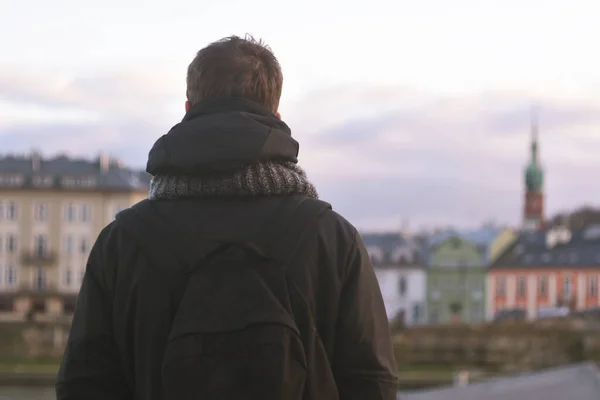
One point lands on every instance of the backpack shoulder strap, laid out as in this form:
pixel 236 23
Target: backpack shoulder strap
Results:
pixel 288 224
pixel 284 237
pixel 154 237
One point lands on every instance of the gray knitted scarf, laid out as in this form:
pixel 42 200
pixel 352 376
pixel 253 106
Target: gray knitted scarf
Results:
pixel 262 179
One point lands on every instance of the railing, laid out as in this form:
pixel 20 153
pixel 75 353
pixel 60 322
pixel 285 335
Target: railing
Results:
pixel 41 289
pixel 36 257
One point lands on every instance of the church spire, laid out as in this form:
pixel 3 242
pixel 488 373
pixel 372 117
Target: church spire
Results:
pixel 534 135
pixel 534 182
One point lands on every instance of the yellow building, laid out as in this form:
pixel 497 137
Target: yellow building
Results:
pixel 51 211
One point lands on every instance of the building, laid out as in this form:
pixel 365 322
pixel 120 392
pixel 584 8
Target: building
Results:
pixel 397 262
pixel 533 206
pixel 456 273
pixel 577 382
pixel 546 269
pixel 51 211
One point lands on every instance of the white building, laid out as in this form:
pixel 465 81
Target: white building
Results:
pixel 396 259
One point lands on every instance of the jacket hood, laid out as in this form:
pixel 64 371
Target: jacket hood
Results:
pixel 219 135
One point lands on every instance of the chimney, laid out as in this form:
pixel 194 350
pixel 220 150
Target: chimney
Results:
pixel 104 162
pixel 36 161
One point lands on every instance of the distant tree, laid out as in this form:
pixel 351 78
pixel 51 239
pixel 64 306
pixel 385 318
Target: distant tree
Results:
pixel 577 219
pixel 455 308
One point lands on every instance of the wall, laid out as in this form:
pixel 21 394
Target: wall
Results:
pixel 32 340
pixel 506 347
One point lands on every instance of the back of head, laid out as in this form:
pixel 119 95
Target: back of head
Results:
pixel 236 67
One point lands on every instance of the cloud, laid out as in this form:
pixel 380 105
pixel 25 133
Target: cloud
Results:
pixel 381 155
pixel 117 92
pixel 121 112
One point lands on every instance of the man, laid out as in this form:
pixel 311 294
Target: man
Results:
pixel 228 202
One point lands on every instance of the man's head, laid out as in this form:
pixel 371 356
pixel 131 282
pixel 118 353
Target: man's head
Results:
pixel 235 67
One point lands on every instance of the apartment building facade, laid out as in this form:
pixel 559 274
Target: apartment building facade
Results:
pixel 547 269
pixel 51 211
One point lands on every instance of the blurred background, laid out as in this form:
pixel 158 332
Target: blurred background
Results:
pixel 460 137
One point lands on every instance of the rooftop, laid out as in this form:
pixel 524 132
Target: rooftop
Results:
pixel 580 382
pixel 481 238
pixel 557 247
pixel 391 249
pixel 35 172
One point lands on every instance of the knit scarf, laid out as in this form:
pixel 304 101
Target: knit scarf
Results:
pixel 267 178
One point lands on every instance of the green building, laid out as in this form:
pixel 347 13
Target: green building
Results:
pixel 456 273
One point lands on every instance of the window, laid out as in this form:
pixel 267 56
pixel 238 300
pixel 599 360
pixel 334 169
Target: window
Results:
pixel 68 276
pixel 11 275
pixel 86 213
pixel 70 212
pixel 476 314
pixel 11 243
pixel 462 284
pixel 40 278
pixel 43 181
pixel 1 211
pixel 592 286
pixel 500 286
pixel 476 294
pixel 543 286
pixel 41 245
pixel 69 306
pixel 402 286
pixel 521 286
pixel 6 304
pixel 11 212
pixel 69 244
pixel 83 246
pixel 416 313
pixel 567 287
pixel 40 212
pixel 434 316
pixel 81 275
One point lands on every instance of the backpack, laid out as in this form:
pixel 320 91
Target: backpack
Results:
pixel 241 328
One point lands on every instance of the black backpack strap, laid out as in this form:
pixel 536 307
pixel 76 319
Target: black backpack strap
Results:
pixel 286 235
pixel 153 237
pixel 288 224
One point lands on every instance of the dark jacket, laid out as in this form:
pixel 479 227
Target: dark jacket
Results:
pixel 122 318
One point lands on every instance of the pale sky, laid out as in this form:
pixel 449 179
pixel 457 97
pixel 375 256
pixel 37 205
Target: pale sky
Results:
pixel 404 110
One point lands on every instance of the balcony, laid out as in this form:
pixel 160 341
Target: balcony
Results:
pixel 36 257
pixel 37 290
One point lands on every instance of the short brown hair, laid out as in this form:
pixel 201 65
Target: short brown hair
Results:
pixel 236 67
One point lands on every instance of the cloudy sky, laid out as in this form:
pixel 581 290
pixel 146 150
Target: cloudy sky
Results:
pixel 412 111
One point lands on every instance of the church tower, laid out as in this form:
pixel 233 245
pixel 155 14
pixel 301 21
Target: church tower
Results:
pixel 533 215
